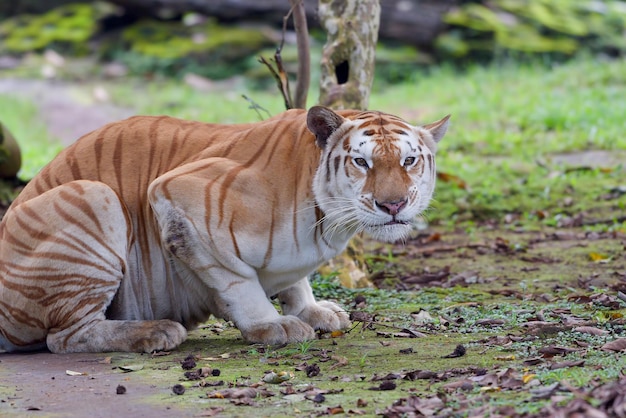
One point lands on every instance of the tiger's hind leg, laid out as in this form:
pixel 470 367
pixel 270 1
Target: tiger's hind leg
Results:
pixel 64 255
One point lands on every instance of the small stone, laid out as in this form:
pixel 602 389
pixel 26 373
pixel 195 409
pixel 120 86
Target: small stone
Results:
pixel 319 398
pixel 120 390
pixel 178 389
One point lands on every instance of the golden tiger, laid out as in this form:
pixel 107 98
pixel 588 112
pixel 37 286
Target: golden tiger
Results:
pixel 145 227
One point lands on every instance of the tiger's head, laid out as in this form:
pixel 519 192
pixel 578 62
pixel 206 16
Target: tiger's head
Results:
pixel 376 173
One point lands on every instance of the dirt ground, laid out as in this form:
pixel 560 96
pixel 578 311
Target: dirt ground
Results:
pixel 41 384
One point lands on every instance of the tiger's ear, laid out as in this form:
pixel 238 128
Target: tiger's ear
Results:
pixel 322 122
pixel 438 129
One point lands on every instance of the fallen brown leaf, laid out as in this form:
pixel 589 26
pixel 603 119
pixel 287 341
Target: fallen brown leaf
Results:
pixel 239 393
pixel 553 350
pixel 451 178
pixel 488 321
pixel 615 345
pixel 567 364
pixel 590 330
pixel 414 406
pixel 212 411
pixel 340 362
pixel 459 351
pixel 335 410
pixel 420 374
pixel 463 384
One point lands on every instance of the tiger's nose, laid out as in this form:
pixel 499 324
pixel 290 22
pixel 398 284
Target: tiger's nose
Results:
pixel 392 208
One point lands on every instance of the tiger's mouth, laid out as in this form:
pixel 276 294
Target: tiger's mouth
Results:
pixel 396 222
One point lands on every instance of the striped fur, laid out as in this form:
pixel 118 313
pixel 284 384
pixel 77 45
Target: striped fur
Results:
pixel 145 227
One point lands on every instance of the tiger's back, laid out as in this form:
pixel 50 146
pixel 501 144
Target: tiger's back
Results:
pixel 201 208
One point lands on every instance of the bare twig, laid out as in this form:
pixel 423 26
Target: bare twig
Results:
pixel 256 107
pixel 280 75
pixel 304 58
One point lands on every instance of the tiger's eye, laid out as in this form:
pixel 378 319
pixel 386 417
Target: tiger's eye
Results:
pixel 361 162
pixel 408 161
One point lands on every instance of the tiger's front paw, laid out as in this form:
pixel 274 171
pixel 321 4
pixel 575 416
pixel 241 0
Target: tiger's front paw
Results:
pixel 325 316
pixel 107 335
pixel 285 329
pixel 161 335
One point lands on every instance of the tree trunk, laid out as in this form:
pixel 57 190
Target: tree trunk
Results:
pixel 348 55
pixel 345 83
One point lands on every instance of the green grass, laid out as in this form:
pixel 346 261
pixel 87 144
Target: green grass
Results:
pixel 38 147
pixel 508 118
pixel 520 108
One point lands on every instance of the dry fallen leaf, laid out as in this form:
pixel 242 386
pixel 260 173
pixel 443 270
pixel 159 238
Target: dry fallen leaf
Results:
pixel 73 373
pixel 451 178
pixel 280 377
pixel 488 321
pixel 415 406
pixel 591 330
pixel 131 368
pixel 336 410
pixel 599 258
pixel 510 357
pixel 340 362
pixel 567 364
pixel 463 384
pixel 459 351
pixel 239 393
pixel 421 317
pixel 615 345
pixel 553 350
pixel 489 389
pixel 212 411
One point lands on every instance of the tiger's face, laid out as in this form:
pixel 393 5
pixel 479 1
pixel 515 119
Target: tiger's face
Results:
pixel 377 172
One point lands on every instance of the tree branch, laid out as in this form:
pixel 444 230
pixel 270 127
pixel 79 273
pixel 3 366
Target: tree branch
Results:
pixel 304 57
pixel 280 75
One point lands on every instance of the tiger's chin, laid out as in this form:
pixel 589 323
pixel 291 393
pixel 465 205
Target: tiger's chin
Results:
pixel 390 231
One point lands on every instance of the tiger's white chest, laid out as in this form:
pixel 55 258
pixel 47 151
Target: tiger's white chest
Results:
pixel 297 250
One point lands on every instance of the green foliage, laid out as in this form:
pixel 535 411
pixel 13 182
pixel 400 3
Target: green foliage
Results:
pixel 534 26
pixel 173 40
pixel 149 46
pixel 395 64
pixel 172 49
pixel 67 28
